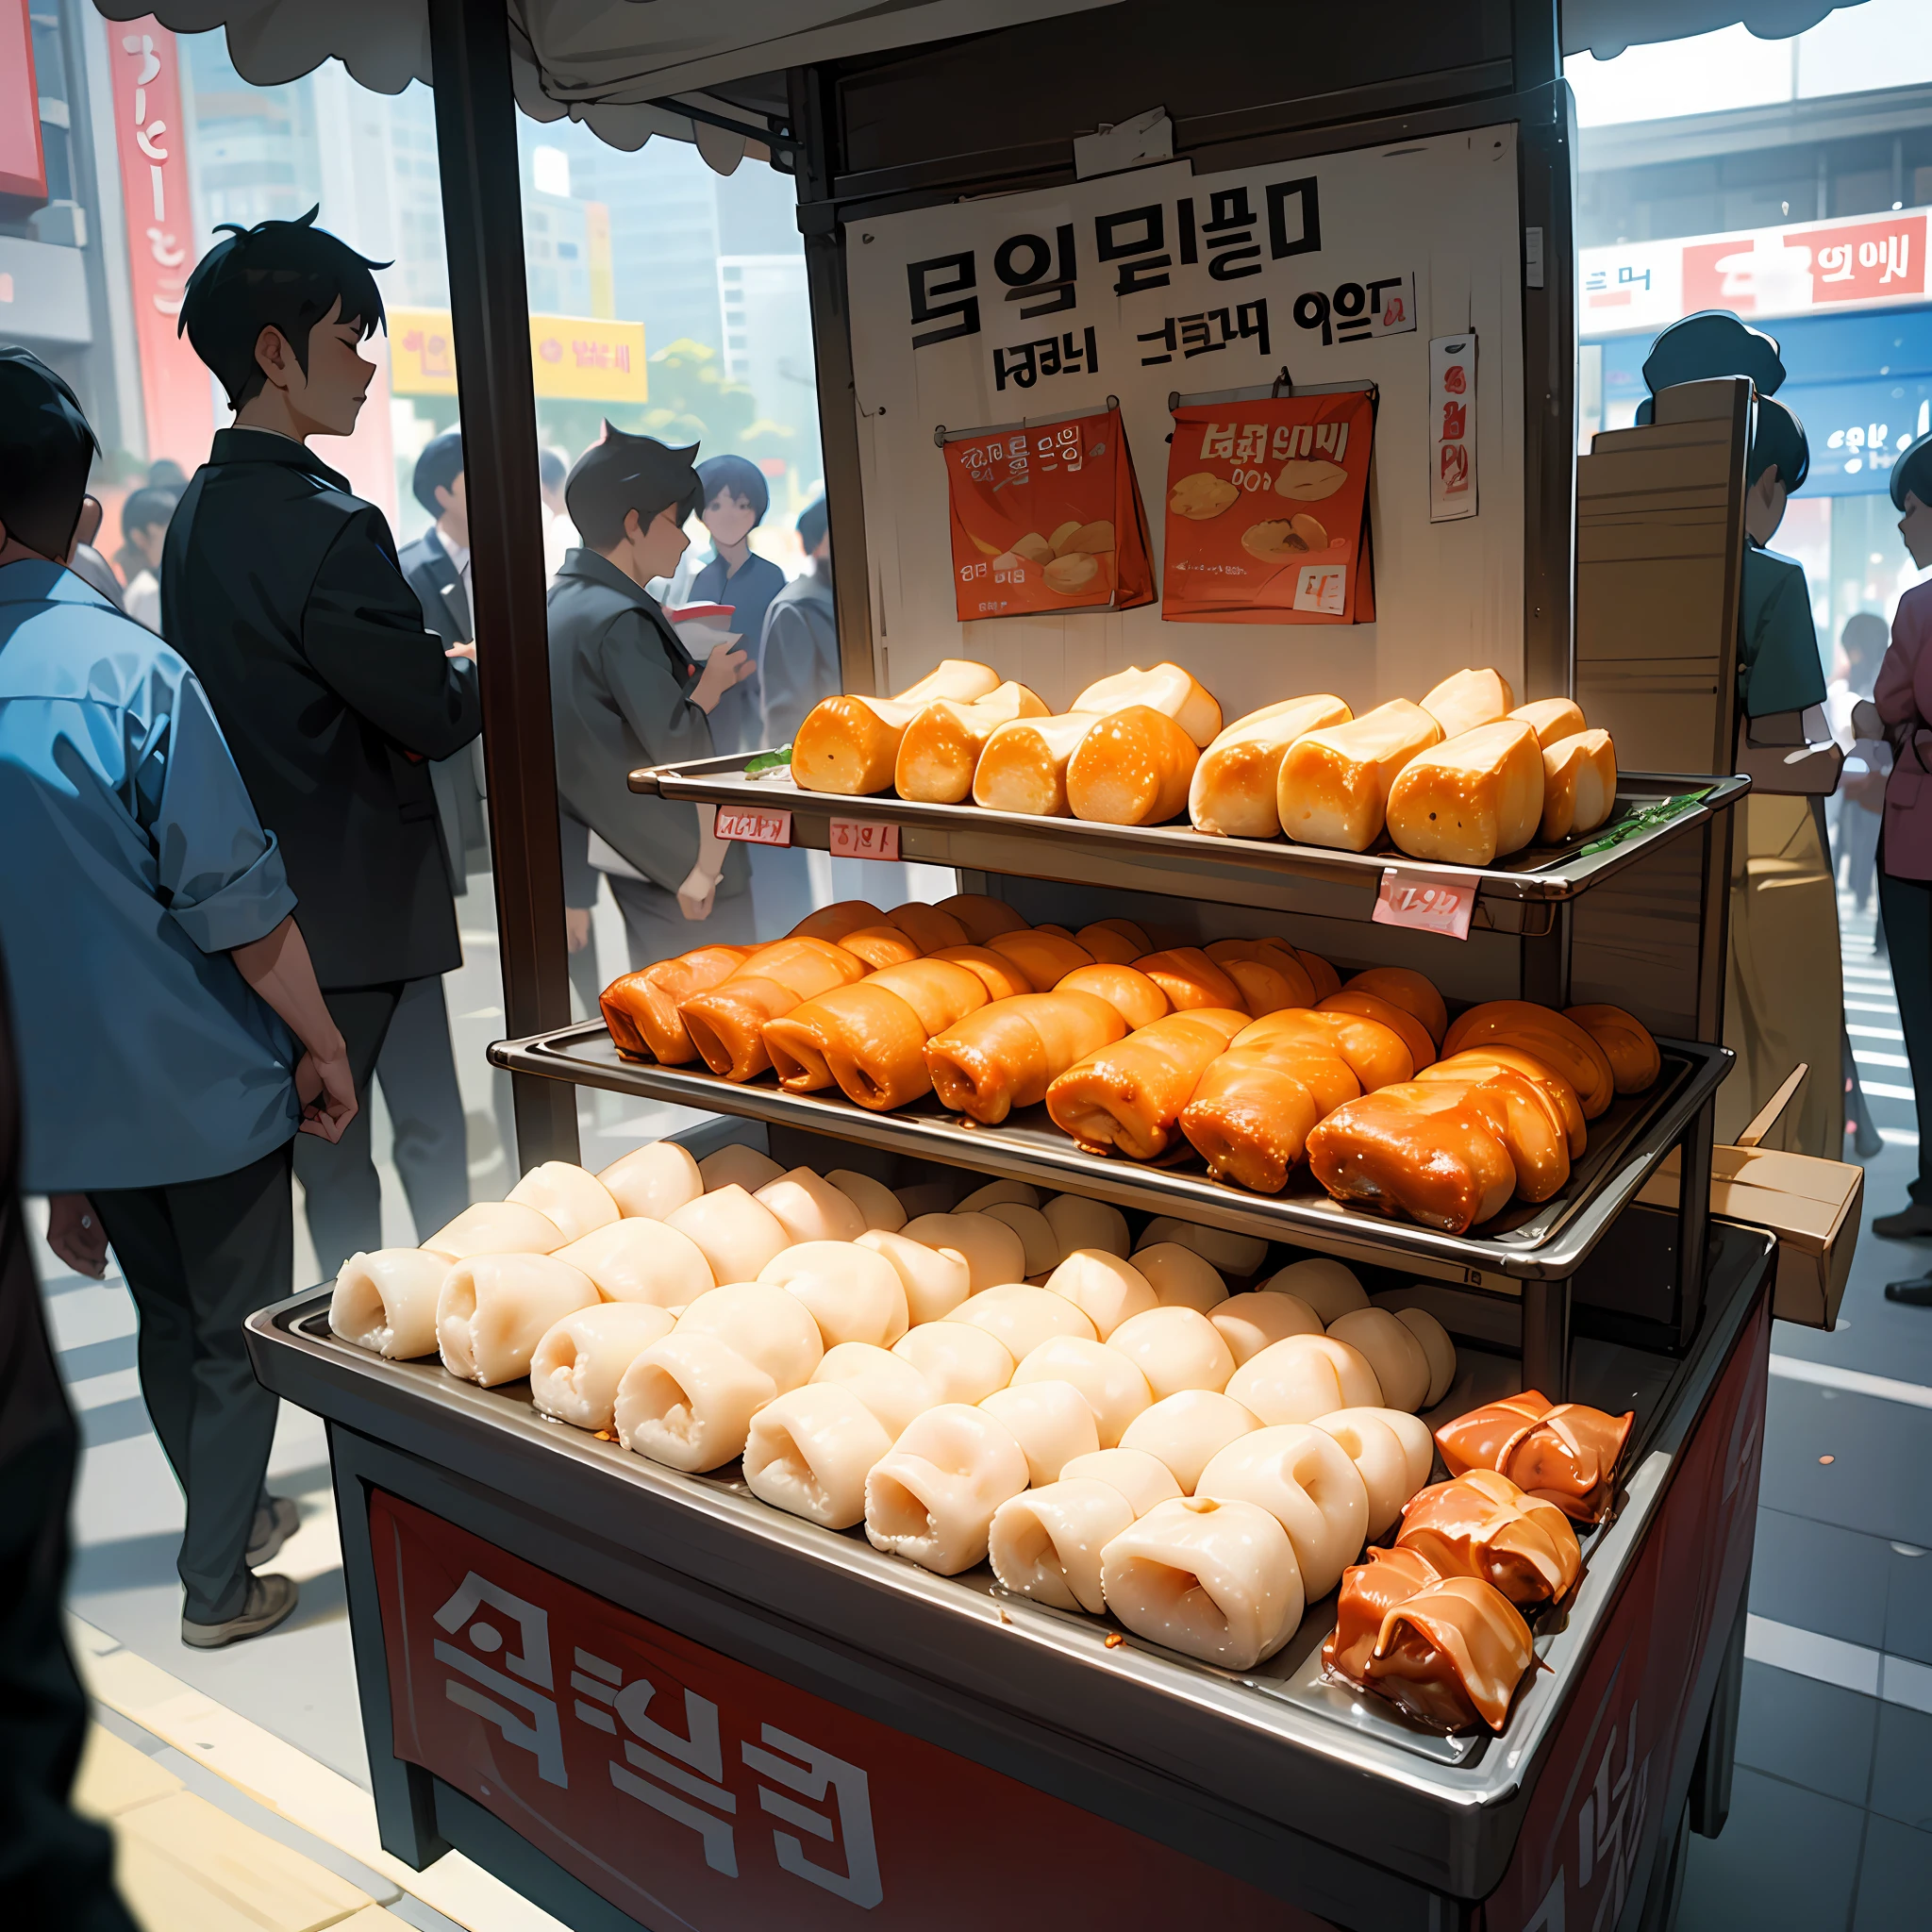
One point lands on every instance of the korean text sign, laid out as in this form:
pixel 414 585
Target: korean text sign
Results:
pixel 580 355
pixel 688 1788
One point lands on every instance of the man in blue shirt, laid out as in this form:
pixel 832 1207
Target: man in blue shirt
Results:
pixel 173 1039
pixel 736 500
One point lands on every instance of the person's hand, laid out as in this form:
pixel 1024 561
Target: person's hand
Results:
pixel 76 1235
pixel 696 895
pixel 467 652
pixel 1866 723
pixel 576 927
pixel 326 1090
pixel 724 667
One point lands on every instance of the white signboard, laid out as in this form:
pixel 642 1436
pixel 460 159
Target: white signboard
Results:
pixel 1338 268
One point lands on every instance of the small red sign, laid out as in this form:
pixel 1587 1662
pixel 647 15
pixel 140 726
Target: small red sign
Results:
pixel 860 838
pixel 1425 901
pixel 751 828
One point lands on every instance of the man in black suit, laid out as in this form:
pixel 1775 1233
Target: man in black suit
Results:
pixel 282 590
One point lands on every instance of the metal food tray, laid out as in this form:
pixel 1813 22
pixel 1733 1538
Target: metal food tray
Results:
pixel 1193 863
pixel 1280 1739
pixel 1547 1242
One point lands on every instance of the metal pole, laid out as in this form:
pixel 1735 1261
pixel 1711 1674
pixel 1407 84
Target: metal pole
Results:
pixel 482 216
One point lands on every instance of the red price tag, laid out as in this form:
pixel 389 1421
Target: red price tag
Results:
pixel 857 839
pixel 751 828
pixel 1425 901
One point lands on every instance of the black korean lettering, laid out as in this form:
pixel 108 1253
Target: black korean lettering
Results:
pixel 1299 233
pixel 1164 335
pixel 1020 365
pixel 1134 231
pixel 1029 268
pixel 961 316
pixel 1311 311
pixel 1229 232
pixel 1250 320
pixel 1351 306
pixel 1376 291
pixel 1184 231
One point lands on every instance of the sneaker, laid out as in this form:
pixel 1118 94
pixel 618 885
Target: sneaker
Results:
pixel 270 1599
pixel 1912 1223
pixel 273 1526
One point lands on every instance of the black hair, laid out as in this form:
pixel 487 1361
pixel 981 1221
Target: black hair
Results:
pixel 1714 342
pixel 145 509
pixel 551 469
pixel 47 449
pixel 811 525
pixel 1912 474
pixel 284 275
pixel 739 476
pixel 1778 442
pixel 1864 638
pixel 164 473
pixel 438 468
pixel 624 472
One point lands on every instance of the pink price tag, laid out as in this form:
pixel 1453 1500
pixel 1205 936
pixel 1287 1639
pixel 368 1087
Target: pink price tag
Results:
pixel 858 839
pixel 1425 901
pixel 751 828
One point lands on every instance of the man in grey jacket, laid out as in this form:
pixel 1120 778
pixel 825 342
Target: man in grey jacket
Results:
pixel 625 692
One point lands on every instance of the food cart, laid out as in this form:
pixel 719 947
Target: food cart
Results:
pixel 643 1698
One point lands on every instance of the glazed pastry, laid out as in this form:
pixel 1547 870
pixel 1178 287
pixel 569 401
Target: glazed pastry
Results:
pixel 1233 789
pixel 1127 1097
pixel 578 1361
pixel 1451 1655
pixel 993 1254
pixel 688 1401
pixel 1176 1349
pixel 1304 1376
pixel 1036 1234
pixel 849 744
pixel 1551 719
pixel 385 1302
pixel 1431 1151
pixel 1329 1286
pixel 871 1038
pixel 1045 957
pixel 1437 1347
pixel 1166 689
pixel 1190 979
pixel 1251 1114
pixel 1185 1431
pixel 1467 699
pixel 1110 947
pixel 1268 978
pixel 736 1234
pixel 1136 998
pixel 1114 1388
pixel 960 1362
pixel 1257 1320
pixel 1334 785
pixel 1105 1289
pixel 1022 1317
pixel 930 927
pixel 1481 1524
pixel 1051 1422
pixel 1081 1222
pixel 1303 1479
pixel 1144 1480
pixel 1045 1544
pixel 1579 785
pixel 1480 1062
pixel 1380 1443
pixel 878 1207
pixel 1233 1253
pixel 726 1024
pixel 884 945
pixel 932 1497
pixel 1179 1278
pixel 1559 1043
pixel 1370 1590
pixel 1008 1053
pixel 1377 1055
pixel 999 1194
pixel 935 1280
pixel 495 1228
pixel 1627 1043
pixel 1414 993
pixel 853 1293
pixel 735 1165
pixel 1471 799
pixel 809 1208
pixel 1364 1004
pixel 651 1181
pixel 1393 1349
pixel 982 916
pixel 1210 1579
pixel 940 749
pixel 772 1330
pixel 641 1008
pixel 964 678
pixel 642 1261
pixel 1564 1454
pixel 1135 934
pixel 1133 768
pixel 1023 766
pixel 835 921
pixel 888 1383
pixel 1000 976
pixel 492 1309
pixel 1325 978
pixel 809 1450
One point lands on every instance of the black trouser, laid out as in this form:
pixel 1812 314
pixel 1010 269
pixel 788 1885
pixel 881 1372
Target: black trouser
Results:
pixel 655 929
pixel 1905 907
pixel 340 1186
pixel 200 1258
pixel 418 1071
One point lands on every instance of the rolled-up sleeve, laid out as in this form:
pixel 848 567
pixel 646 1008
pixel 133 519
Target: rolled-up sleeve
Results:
pixel 219 873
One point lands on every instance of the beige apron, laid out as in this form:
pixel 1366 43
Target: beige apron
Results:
pixel 1784 995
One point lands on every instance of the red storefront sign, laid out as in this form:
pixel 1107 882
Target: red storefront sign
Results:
pixel 152 138
pixel 23 161
pixel 692 1790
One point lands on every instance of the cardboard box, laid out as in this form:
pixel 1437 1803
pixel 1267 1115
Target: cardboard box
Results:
pixel 1812 1205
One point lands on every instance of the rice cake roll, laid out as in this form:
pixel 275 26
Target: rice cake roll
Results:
pixel 1334 785
pixel 1471 799
pixel 1465 699
pixel 1233 790
pixel 1579 785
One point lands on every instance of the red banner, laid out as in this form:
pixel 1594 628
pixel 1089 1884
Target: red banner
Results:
pixel 152 137
pixel 690 1790
pixel 23 161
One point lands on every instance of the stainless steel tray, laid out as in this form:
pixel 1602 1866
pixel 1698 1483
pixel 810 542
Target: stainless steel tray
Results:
pixel 1177 858
pixel 1548 1241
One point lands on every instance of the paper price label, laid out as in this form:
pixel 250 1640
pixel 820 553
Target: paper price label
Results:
pixel 751 828
pixel 863 839
pixel 1425 901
